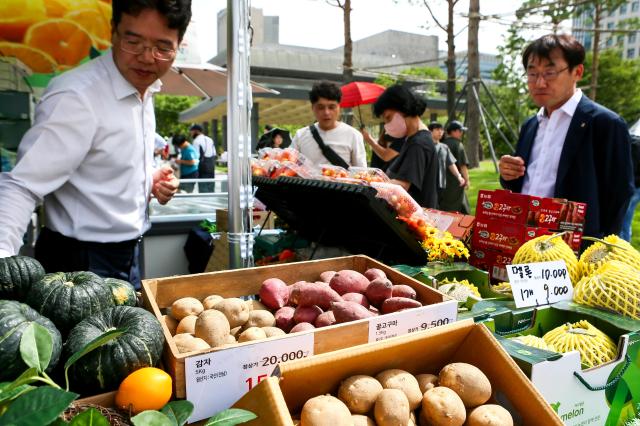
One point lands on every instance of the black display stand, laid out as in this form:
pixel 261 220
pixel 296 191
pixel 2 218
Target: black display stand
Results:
pixel 343 215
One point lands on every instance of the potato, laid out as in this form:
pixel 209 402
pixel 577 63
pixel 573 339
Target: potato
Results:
pixel 403 290
pixel 274 293
pixel 187 325
pixel 171 323
pixel 349 311
pixel 360 420
pixel 213 327
pixel 192 344
pixel 373 273
pixel 309 294
pixel 231 339
pixel 284 318
pixel 468 381
pixel 326 276
pixel 235 331
pixel 182 337
pixel 391 408
pixel 303 326
pixel 260 319
pixel 255 305
pixel 186 306
pixel 359 393
pixel 348 281
pixel 426 382
pixel 412 419
pixel 325 319
pixel 325 410
pixel 356 297
pixel 403 381
pixel 273 331
pixel 489 415
pixel 378 291
pixel 210 301
pixel 395 304
pixel 442 407
pixel 306 314
pixel 235 310
pixel 253 333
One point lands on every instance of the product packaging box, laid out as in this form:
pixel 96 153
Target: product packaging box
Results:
pixel 275 399
pixel 607 394
pixel 458 224
pixel 503 236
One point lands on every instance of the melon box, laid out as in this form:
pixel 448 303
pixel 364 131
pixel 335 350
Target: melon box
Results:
pixel 606 394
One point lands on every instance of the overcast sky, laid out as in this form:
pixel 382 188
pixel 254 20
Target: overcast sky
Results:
pixel 314 23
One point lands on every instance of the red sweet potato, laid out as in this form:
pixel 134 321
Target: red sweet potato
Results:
pixel 356 297
pixel 284 318
pixel 294 292
pixel 349 311
pixel 303 326
pixel 317 294
pixel 274 293
pixel 306 314
pixel 326 276
pixel 395 304
pixel 348 281
pixel 373 273
pixel 403 290
pixel 378 291
pixel 325 319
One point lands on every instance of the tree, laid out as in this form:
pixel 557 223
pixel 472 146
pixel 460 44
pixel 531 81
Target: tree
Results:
pixel 168 109
pixel 347 63
pixel 473 86
pixel 620 83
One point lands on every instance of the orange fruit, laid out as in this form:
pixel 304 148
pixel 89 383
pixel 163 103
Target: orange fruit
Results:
pixel 36 59
pixel 66 41
pixel 148 388
pixel 106 10
pixel 17 15
pixel 94 23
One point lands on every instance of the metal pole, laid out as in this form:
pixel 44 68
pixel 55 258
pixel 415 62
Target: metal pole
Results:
pixel 239 103
pixel 495 103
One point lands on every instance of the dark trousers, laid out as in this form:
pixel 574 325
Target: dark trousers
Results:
pixel 59 253
pixel 188 187
pixel 207 170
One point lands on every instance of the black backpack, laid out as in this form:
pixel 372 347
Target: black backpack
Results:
pixel 635 158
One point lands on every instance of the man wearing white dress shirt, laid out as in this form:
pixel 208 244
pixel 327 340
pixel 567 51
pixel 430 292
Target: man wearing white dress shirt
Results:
pixel 89 155
pixel 572 148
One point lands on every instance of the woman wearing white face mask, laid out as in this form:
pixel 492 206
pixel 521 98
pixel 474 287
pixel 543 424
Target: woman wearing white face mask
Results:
pixel 415 168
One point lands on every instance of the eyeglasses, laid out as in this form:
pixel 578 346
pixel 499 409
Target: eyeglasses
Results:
pixel 135 46
pixel 548 75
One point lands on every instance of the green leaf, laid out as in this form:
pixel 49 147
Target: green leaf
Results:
pixel 58 422
pixel 89 417
pixel 231 417
pixel 92 345
pixel 15 392
pixel 151 418
pixel 38 407
pixel 36 346
pixel 178 411
pixel 28 376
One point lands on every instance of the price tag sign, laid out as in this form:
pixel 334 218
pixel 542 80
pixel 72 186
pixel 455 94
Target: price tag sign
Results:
pixel 542 283
pixel 216 380
pixel 391 325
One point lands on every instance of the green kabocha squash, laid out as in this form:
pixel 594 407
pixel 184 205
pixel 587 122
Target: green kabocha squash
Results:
pixel 123 292
pixel 17 275
pixel 14 318
pixel 69 297
pixel 104 368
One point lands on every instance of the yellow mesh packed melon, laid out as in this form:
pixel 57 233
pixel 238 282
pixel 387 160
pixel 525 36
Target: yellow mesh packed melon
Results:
pixel 535 342
pixel 615 286
pixel 603 251
pixel 594 346
pixel 547 248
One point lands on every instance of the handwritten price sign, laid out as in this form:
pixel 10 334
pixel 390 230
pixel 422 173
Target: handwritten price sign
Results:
pixel 540 283
pixel 412 320
pixel 216 380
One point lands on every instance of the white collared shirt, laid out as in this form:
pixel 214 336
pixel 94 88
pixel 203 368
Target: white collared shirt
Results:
pixel 542 170
pixel 346 141
pixel 88 157
pixel 206 143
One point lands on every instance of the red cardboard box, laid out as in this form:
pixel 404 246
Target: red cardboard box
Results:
pixel 502 205
pixel 493 262
pixel 502 236
pixel 572 238
pixel 458 224
pixel 556 213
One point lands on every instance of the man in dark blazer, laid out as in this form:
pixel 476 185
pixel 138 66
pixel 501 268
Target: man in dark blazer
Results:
pixel 572 148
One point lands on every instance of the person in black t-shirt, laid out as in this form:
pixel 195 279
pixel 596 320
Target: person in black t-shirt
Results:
pixel 416 166
pixel 385 150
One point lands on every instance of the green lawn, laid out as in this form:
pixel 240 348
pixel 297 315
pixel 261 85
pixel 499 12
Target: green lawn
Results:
pixel 485 177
